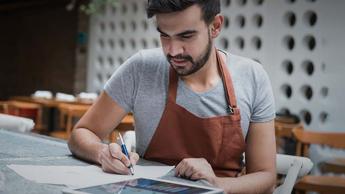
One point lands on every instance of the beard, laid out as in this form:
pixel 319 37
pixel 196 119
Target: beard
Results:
pixel 196 64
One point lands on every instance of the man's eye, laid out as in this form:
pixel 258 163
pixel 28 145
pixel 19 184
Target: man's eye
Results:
pixel 186 36
pixel 164 36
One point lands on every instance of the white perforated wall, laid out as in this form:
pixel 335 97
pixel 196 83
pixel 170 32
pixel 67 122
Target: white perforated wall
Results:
pixel 299 42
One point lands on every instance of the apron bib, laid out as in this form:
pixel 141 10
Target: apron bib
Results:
pixel 181 134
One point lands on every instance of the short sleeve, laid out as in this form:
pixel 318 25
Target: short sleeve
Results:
pixel 122 86
pixel 263 104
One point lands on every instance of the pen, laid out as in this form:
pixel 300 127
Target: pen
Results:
pixel 124 150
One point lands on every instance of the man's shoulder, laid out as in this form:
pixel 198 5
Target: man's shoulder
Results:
pixel 147 64
pixel 146 60
pixel 153 54
pixel 237 60
pixel 243 64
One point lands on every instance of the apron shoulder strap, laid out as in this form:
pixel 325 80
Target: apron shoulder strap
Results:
pixel 227 82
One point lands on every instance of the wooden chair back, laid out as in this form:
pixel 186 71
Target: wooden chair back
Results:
pixel 284 124
pixel 307 137
pixel 68 112
pixel 321 184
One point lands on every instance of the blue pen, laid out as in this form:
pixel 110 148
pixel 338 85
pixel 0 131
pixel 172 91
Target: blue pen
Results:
pixel 124 150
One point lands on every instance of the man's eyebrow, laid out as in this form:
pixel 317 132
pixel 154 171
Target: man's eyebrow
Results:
pixel 160 31
pixel 187 32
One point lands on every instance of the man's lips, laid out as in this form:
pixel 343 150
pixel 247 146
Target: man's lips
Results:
pixel 178 62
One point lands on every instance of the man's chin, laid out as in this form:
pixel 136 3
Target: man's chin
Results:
pixel 182 72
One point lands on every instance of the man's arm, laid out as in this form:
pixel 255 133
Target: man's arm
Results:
pixel 260 164
pixel 85 141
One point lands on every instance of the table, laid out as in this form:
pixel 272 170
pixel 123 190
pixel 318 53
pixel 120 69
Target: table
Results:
pixel 49 102
pixel 34 149
pixel 51 105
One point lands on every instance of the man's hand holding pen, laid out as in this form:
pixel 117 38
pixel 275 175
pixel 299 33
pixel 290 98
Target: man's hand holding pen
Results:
pixel 113 160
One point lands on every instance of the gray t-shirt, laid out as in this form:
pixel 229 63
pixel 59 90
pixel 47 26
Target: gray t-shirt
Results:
pixel 140 86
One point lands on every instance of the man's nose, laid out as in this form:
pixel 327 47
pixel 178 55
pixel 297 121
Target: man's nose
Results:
pixel 175 48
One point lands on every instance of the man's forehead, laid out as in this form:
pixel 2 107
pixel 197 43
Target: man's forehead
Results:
pixel 191 14
pixel 175 23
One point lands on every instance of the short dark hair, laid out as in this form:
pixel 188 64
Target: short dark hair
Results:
pixel 209 8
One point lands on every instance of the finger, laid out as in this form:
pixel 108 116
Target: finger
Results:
pixel 116 152
pixel 114 166
pixel 189 171
pixel 196 176
pixel 180 168
pixel 177 169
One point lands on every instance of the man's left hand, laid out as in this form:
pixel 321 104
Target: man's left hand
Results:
pixel 195 169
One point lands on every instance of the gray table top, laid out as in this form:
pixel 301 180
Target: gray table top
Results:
pixel 33 149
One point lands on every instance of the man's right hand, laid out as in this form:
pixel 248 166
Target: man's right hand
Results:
pixel 112 160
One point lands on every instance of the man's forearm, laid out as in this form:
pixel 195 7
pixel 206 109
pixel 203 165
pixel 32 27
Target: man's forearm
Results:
pixel 259 182
pixel 85 144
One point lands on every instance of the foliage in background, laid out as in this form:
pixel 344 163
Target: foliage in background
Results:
pixel 95 6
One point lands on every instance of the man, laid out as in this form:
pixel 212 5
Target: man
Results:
pixel 194 106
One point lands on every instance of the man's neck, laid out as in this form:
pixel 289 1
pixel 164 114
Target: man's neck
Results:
pixel 205 78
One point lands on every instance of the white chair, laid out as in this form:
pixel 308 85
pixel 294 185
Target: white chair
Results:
pixel 290 166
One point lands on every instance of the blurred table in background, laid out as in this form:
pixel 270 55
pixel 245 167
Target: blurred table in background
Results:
pixel 51 105
pixel 68 112
pixel 49 102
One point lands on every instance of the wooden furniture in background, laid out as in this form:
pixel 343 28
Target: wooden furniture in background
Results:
pixel 24 109
pixel 321 184
pixel 68 112
pixel 49 102
pixel 336 165
pixel 126 124
pixel 51 105
pixel 284 124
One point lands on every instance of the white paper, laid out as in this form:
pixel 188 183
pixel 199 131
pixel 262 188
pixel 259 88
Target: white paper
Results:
pixel 83 176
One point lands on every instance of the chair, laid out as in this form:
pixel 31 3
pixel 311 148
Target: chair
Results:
pixel 68 112
pixel 24 109
pixel 283 124
pixel 292 167
pixel 321 184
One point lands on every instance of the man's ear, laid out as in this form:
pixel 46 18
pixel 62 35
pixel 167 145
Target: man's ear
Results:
pixel 216 25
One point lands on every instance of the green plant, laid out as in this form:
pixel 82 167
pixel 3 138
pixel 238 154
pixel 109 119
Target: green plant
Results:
pixel 95 6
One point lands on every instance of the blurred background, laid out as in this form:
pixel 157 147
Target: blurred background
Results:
pixel 53 45
pixel 56 56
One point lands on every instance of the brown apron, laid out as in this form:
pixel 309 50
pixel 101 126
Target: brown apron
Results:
pixel 181 134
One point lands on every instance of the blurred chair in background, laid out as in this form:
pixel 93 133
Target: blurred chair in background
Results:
pixel 291 167
pixel 322 184
pixel 24 109
pixel 283 124
pixel 69 113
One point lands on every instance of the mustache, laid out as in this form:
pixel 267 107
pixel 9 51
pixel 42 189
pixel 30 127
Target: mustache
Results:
pixel 185 57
